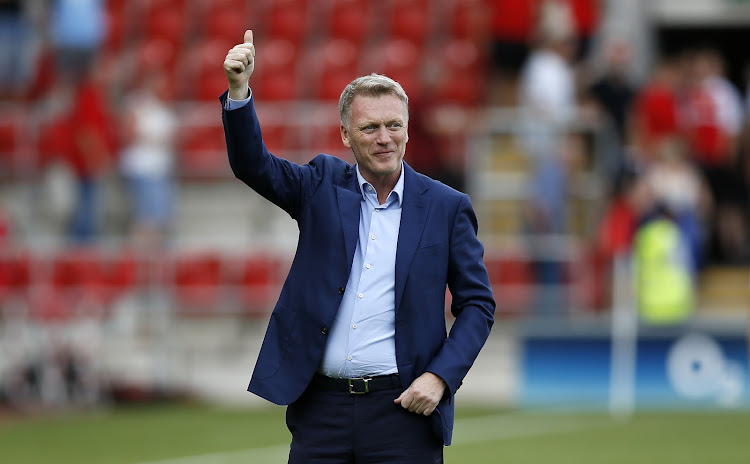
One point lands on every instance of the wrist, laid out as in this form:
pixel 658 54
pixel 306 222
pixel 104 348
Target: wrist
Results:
pixel 239 93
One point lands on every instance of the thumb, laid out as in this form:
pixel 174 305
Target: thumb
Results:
pixel 248 36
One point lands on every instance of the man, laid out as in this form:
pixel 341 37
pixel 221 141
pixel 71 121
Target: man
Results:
pixel 357 344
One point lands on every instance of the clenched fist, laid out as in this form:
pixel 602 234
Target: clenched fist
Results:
pixel 239 65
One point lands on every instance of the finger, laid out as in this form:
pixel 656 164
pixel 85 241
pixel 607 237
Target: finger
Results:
pixel 400 398
pixel 248 36
pixel 239 57
pixel 235 65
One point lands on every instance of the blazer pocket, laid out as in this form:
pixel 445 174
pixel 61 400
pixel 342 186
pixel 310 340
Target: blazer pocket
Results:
pixel 433 249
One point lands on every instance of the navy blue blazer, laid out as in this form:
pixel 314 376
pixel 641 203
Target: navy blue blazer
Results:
pixel 437 246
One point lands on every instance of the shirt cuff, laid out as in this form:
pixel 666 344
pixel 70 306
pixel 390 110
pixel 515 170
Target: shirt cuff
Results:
pixel 237 104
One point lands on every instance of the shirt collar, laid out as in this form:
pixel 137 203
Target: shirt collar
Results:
pixel 398 189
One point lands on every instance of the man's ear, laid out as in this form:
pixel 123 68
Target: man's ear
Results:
pixel 345 136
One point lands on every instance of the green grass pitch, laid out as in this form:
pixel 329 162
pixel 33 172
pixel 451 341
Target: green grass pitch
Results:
pixel 191 434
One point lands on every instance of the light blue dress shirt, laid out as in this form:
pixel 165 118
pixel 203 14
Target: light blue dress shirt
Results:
pixel 361 341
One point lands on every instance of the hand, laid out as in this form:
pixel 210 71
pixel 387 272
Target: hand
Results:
pixel 423 395
pixel 239 65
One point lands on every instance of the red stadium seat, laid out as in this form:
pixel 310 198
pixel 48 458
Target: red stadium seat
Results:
pixel 462 74
pixel 202 152
pixel 206 78
pixel 287 19
pixel 410 20
pixel 470 20
pixel 77 276
pixel 166 20
pixel 16 269
pixel 337 65
pixel 197 283
pixel 511 278
pixel 256 280
pixel 226 21
pixel 400 60
pixel 275 78
pixel 9 140
pixel 349 20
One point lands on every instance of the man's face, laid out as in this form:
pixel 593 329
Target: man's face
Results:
pixel 377 134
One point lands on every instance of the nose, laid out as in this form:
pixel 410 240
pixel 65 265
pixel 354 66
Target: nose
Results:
pixel 383 137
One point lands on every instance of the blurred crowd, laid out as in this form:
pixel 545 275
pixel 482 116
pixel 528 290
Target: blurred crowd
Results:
pixel 682 134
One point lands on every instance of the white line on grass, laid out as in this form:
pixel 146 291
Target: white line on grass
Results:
pixel 471 430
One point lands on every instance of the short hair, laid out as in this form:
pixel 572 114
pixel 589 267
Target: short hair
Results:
pixel 373 85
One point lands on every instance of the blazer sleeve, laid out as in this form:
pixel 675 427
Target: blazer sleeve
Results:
pixel 472 304
pixel 280 181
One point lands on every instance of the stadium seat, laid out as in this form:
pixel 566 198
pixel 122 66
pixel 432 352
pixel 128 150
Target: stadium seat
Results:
pixel 511 278
pixel 151 55
pixel 202 152
pixel 410 20
pixel 256 280
pixel 165 20
pixel 197 283
pixel 275 78
pixel 226 20
pixel 462 75
pixel 118 22
pixel 287 19
pixel 9 140
pixel 349 20
pixel 206 79
pixel 399 59
pixel 334 65
pixel 469 20
pixel 77 276
pixel 16 273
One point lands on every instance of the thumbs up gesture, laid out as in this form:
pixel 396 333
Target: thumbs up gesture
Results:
pixel 239 65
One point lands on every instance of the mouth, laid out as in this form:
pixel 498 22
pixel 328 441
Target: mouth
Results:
pixel 383 154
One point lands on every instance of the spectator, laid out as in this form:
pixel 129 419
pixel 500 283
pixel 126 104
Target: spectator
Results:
pixel 78 28
pixel 512 28
pixel 613 93
pixel 89 154
pixel 548 104
pixel 678 192
pixel 147 161
pixel 712 120
pixel 654 112
pixel 16 62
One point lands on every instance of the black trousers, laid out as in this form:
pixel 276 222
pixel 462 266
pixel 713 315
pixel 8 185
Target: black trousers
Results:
pixel 335 427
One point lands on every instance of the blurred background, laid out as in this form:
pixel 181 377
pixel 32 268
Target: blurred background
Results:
pixel 605 146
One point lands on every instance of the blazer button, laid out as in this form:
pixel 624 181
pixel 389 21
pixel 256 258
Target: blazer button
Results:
pixel 324 330
pixel 341 290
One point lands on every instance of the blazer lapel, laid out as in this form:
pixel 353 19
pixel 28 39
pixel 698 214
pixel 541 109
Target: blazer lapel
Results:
pixel 413 217
pixel 349 196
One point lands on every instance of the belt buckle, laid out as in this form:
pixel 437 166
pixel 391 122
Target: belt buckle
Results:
pixel 366 380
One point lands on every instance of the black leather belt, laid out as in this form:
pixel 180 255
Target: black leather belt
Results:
pixel 358 386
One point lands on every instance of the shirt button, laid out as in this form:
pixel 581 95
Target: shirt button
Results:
pixel 324 330
pixel 354 326
pixel 341 290
pixel 349 358
pixel 377 210
pixel 368 266
pixel 369 187
pixel 361 295
pixel 372 237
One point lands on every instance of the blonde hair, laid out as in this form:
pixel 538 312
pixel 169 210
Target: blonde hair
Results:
pixel 373 85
